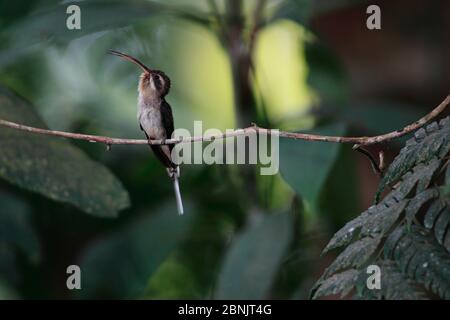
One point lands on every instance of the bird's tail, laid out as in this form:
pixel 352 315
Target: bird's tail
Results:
pixel 174 174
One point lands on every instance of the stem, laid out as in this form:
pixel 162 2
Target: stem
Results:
pixel 362 141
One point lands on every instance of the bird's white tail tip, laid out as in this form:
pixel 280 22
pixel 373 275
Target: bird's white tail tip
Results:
pixel 176 187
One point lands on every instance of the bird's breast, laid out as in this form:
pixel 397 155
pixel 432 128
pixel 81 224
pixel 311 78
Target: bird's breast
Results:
pixel 150 119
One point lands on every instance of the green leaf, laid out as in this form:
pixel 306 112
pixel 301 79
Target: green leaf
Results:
pixel 252 262
pixel 326 75
pixel 305 165
pixel 119 265
pixel 345 235
pixel 394 284
pixel 173 280
pixel 447 174
pixel 441 227
pixel 380 221
pixel 421 258
pixel 339 201
pixel 340 283
pixel 9 267
pixel 52 167
pixel 418 202
pixel 416 258
pixel 49 24
pixel 433 141
pixel 7 293
pixel 16 229
pixel 437 214
pixel 420 176
pixel 434 210
pixel 371 117
pixel 375 220
pixel 354 256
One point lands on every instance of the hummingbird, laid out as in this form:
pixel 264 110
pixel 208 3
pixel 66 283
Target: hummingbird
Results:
pixel 155 117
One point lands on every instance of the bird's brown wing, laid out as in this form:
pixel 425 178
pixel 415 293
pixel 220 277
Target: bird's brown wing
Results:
pixel 160 154
pixel 167 120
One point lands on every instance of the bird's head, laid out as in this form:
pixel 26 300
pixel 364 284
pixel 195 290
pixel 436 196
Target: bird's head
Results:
pixel 152 83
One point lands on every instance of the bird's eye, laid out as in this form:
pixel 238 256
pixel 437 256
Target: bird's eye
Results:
pixel 157 81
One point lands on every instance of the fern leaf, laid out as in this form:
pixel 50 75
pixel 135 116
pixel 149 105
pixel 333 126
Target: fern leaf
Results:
pixel 396 286
pixel 442 225
pixel 447 242
pixel 416 259
pixel 421 258
pixel 345 235
pixel 355 255
pixel 376 220
pixel 433 213
pixel 420 175
pixel 379 218
pixel 340 283
pixel 437 216
pixel 427 143
pixel 418 202
pixel 447 174
pixel 381 221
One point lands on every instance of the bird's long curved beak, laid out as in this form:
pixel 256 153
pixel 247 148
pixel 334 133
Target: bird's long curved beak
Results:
pixel 130 58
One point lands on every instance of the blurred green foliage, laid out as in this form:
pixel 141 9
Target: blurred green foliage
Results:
pixel 54 168
pixel 243 235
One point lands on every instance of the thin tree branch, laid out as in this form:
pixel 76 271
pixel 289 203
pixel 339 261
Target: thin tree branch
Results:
pixel 359 141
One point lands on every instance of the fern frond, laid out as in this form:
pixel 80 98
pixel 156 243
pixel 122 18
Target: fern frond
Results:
pixel 420 177
pixel 442 226
pixel 340 283
pixel 433 141
pixel 354 256
pixel 374 221
pixel 410 227
pixel 416 203
pixel 421 258
pixel 383 219
pixel 394 285
pixel 437 216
